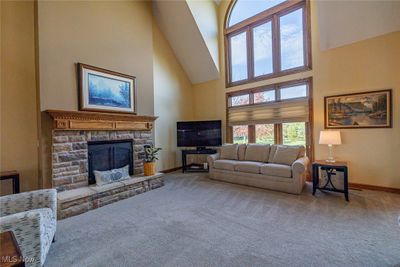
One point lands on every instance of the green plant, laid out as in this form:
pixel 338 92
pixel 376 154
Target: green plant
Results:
pixel 151 153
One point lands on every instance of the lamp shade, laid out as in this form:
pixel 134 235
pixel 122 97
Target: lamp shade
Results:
pixel 330 138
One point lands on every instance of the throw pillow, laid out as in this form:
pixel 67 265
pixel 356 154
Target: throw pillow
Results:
pixel 257 152
pixel 229 151
pixel 286 155
pixel 106 177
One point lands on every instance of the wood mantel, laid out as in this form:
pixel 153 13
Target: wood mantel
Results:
pixel 88 120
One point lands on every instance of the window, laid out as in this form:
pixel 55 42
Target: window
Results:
pixel 265 134
pixel 239 61
pixel 294 92
pixel 245 10
pixel 291 33
pixel 262 47
pixel 279 113
pixel 240 100
pixel 264 96
pixel 294 133
pixel 265 39
pixel 240 134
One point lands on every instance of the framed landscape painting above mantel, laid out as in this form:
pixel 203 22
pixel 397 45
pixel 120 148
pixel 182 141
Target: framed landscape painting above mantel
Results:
pixel 105 90
pixel 359 110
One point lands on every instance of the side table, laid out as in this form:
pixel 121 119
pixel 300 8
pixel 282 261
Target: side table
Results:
pixel 10 255
pixel 331 169
pixel 186 152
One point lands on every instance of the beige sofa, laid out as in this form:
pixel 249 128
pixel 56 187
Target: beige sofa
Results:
pixel 276 167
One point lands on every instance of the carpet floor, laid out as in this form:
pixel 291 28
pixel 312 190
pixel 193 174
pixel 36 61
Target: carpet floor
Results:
pixel 195 221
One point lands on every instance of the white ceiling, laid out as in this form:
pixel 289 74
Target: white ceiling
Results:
pixel 345 22
pixel 196 49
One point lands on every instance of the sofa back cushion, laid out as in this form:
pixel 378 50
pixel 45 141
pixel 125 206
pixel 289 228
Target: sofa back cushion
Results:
pixel 257 152
pixel 286 154
pixel 302 151
pixel 229 151
pixel 242 151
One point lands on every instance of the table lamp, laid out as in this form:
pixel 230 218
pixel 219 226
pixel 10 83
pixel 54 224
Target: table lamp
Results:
pixel 330 138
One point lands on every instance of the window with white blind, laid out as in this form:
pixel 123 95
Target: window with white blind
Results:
pixel 279 113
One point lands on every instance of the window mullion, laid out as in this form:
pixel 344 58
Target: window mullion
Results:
pixel 252 133
pixel 250 54
pixel 276 44
pixel 278 133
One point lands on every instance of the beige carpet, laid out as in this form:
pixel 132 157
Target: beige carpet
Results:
pixel 194 221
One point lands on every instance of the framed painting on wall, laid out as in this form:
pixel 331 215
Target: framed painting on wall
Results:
pixel 105 90
pixel 359 110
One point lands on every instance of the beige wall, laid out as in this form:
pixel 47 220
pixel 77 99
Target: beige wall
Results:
pixel 173 100
pixel 112 35
pixel 18 141
pixel 373 154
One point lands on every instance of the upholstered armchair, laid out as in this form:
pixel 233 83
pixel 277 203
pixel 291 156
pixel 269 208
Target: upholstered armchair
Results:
pixel 32 217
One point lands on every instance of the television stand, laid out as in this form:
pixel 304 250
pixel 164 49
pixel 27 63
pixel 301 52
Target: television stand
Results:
pixel 198 151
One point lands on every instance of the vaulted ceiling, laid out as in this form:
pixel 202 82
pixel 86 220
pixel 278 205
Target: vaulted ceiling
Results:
pixel 191 28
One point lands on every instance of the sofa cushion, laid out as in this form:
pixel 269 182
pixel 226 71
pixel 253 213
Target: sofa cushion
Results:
pixel 276 170
pixel 248 166
pixel 225 164
pixel 257 152
pixel 242 151
pixel 229 151
pixel 302 151
pixel 286 154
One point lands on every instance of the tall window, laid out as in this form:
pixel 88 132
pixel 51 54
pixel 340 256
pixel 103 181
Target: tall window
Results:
pixel 275 114
pixel 265 39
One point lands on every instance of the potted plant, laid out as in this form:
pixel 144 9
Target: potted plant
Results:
pixel 151 154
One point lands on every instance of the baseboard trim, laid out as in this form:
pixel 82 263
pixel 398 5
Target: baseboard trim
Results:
pixel 374 187
pixel 171 170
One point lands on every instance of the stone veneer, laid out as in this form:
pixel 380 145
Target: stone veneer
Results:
pixel 70 154
pixel 80 200
pixel 70 171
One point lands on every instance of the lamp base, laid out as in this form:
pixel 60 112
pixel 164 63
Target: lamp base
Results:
pixel 330 158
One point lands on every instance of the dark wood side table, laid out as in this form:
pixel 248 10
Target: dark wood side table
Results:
pixel 331 169
pixel 10 254
pixel 14 175
pixel 186 152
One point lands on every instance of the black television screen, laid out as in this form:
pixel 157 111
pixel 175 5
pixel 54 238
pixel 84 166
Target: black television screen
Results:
pixel 199 133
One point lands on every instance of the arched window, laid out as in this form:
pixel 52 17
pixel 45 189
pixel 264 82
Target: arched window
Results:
pixel 265 39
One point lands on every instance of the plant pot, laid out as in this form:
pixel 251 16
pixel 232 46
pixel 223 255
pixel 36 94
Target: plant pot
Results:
pixel 149 168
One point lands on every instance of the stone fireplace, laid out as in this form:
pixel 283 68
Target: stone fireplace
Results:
pixel 70 156
pixel 87 141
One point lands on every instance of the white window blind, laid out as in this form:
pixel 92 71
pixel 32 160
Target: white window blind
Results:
pixel 296 110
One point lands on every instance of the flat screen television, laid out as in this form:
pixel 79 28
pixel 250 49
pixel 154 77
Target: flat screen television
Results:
pixel 199 134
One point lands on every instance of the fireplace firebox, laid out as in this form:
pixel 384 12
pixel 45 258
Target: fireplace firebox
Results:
pixel 108 155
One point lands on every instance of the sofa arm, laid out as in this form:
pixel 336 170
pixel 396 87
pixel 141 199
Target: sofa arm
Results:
pixel 300 169
pixel 300 165
pixel 32 232
pixel 45 198
pixel 212 158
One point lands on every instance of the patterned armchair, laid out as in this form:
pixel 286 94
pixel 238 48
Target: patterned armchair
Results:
pixel 32 216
